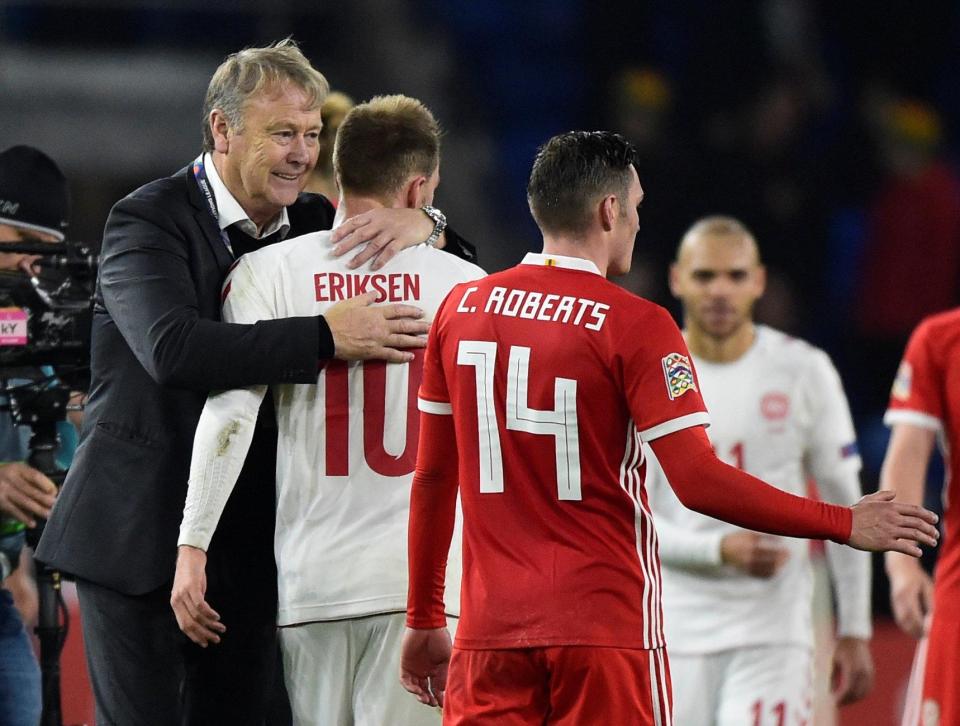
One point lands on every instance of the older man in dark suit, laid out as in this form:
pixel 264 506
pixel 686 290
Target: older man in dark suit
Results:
pixel 158 348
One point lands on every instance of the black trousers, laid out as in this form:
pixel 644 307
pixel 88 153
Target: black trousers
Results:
pixel 144 671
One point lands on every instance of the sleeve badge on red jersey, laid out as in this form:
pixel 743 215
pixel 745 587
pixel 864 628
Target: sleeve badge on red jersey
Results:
pixel 679 375
pixel 901 384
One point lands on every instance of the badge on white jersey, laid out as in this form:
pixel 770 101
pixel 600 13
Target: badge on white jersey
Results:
pixel 679 375
pixel 775 406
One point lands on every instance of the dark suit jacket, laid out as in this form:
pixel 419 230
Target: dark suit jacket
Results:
pixel 158 348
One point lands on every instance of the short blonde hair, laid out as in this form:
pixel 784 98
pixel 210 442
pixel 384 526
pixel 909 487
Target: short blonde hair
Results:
pixel 383 142
pixel 250 72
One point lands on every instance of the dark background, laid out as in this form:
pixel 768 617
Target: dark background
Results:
pixel 829 128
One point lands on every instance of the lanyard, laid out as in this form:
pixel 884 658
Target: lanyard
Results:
pixel 200 174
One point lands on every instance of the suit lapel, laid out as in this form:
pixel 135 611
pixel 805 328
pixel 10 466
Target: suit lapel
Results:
pixel 208 225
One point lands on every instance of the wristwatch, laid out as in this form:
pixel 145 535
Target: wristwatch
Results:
pixel 439 224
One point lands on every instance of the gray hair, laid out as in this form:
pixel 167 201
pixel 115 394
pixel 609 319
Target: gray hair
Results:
pixel 252 70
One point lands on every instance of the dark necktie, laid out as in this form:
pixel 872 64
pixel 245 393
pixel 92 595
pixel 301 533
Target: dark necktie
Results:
pixel 243 243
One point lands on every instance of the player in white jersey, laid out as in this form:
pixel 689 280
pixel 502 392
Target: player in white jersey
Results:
pixel 737 604
pixel 347 445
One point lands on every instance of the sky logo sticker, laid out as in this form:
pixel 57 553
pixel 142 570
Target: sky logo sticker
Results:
pixel 13 326
pixel 678 374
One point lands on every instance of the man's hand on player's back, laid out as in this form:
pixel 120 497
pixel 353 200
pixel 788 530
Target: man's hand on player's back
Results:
pixel 362 330
pixel 881 524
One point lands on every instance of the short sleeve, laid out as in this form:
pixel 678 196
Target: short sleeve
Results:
pixel 241 297
pixel 434 397
pixel 917 397
pixel 832 440
pixel 659 378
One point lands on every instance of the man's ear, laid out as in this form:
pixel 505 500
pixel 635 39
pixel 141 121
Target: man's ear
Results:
pixel 761 280
pixel 609 211
pixel 414 196
pixel 220 128
pixel 674 280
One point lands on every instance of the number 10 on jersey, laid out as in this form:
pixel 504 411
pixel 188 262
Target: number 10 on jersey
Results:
pixel 560 422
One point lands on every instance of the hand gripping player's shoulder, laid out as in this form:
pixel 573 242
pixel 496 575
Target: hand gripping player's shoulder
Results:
pixel 591 305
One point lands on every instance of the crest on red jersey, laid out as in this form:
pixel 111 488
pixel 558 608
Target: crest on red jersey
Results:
pixel 901 384
pixel 775 406
pixel 679 375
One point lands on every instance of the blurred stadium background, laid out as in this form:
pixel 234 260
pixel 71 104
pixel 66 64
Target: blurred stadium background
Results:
pixel 829 128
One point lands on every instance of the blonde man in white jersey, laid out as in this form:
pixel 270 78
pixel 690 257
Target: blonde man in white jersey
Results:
pixel 347 445
pixel 737 604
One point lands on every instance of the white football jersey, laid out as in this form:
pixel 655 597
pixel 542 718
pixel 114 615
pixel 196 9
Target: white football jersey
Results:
pixel 779 413
pixel 347 445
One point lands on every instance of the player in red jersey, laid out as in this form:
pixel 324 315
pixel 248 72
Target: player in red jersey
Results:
pixel 554 376
pixel 924 406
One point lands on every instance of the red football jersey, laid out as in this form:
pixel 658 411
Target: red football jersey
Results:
pixel 926 393
pixel 554 376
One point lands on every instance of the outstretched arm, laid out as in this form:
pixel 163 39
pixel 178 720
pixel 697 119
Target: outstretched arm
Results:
pixel 707 485
pixel 753 554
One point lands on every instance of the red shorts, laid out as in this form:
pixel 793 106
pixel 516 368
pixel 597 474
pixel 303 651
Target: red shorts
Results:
pixel 562 685
pixel 933 696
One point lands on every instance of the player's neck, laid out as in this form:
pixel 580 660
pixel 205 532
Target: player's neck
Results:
pixel 720 350
pixel 582 248
pixel 351 205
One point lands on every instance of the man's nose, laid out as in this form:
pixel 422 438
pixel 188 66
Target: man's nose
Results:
pixel 298 152
pixel 720 286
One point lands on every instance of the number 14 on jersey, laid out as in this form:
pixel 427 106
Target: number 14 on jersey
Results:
pixel 560 422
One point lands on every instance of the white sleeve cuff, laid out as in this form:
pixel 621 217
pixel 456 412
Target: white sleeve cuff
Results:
pixel 685 549
pixel 441 409
pixel 701 418
pixel 909 416
pixel 863 631
pixel 195 538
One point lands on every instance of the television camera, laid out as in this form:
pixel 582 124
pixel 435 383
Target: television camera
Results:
pixel 45 316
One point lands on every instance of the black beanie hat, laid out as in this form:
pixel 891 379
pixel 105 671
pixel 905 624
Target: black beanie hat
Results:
pixel 33 191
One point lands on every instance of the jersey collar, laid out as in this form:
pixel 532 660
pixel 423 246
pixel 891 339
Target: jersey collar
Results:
pixel 569 263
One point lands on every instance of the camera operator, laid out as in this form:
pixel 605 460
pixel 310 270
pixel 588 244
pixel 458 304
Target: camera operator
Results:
pixel 33 208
